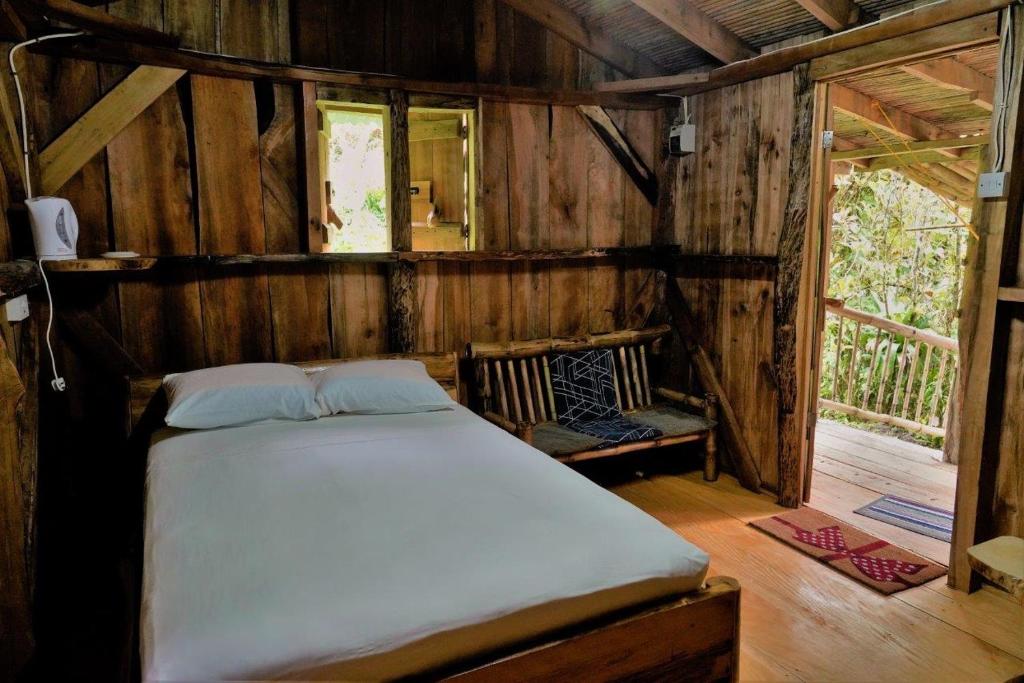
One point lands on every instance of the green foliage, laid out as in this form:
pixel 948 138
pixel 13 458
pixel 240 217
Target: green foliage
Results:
pixel 883 263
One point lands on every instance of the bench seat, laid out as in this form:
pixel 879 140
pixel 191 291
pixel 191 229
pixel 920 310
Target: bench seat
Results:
pixel 515 391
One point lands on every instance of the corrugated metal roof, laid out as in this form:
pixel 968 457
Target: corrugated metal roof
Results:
pixel 758 22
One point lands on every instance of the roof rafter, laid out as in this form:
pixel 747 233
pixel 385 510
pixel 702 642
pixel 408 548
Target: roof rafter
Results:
pixel 698 28
pixel 855 152
pixel 954 74
pixel 887 117
pixel 837 15
pixel 587 37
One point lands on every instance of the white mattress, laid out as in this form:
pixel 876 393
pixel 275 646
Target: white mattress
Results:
pixel 378 546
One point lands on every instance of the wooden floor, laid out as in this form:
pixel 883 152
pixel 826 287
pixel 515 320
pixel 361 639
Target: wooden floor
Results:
pixel 853 467
pixel 802 621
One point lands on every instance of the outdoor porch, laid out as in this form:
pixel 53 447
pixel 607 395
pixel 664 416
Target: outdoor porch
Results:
pixel 853 467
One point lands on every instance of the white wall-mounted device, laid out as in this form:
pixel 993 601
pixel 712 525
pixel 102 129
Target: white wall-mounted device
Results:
pixel 682 139
pixel 993 185
pixel 16 309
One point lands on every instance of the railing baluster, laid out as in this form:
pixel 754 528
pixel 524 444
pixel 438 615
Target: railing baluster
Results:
pixel 885 373
pixel 933 410
pixel 924 383
pixel 900 367
pixel 853 363
pixel 871 369
pixel 908 391
pixel 835 369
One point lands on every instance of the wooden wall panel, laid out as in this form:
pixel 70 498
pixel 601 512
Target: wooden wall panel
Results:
pixel 605 213
pixel 231 218
pixel 567 214
pixel 152 152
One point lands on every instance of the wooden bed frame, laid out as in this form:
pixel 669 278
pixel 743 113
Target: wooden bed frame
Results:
pixel 693 637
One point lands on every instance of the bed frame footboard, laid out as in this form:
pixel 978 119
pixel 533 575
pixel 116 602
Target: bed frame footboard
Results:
pixel 694 638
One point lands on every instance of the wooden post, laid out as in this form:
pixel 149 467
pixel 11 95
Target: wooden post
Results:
pixel 707 375
pixel 984 373
pixel 401 275
pixel 791 301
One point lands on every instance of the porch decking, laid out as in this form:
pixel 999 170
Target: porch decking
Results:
pixel 853 467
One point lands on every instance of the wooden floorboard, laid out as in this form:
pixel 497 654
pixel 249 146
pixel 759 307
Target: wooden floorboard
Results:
pixel 802 621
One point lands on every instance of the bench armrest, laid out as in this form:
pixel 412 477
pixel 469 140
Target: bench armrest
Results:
pixel 522 430
pixel 708 406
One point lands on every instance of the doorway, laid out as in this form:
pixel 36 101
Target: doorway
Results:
pixel 898 192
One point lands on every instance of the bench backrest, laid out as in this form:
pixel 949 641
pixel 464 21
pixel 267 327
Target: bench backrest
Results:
pixel 513 379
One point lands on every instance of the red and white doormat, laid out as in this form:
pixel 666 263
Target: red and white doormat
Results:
pixel 869 559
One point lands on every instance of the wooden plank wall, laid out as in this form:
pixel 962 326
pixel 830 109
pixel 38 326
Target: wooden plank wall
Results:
pixel 730 199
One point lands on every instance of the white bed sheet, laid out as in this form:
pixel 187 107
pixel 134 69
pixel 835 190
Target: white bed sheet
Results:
pixel 316 549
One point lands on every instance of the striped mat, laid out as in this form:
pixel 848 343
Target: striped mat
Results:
pixel 912 516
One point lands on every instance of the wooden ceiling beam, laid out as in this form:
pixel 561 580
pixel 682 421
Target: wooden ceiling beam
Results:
pixel 107 50
pixel 954 74
pixel 855 152
pixel 946 15
pixel 698 28
pixel 588 38
pixel 837 15
pixel 917 159
pixel 94 20
pixel 893 120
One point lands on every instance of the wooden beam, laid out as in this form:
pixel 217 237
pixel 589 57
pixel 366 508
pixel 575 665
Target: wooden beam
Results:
pixel 951 73
pixel 893 120
pixel 620 149
pixel 940 14
pixel 698 28
pixel 96 21
pixel 793 245
pixel 66 155
pixel 854 152
pixel 17 277
pixel 103 349
pixel 707 375
pixel 987 341
pixel 653 84
pixel 940 40
pixel 401 275
pixel 837 15
pixel 121 52
pixel 916 159
pixel 590 39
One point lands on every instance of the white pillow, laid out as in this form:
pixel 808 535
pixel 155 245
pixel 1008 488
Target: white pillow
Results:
pixel 237 394
pixel 379 387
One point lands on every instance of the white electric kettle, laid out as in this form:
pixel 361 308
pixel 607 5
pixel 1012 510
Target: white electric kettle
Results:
pixel 54 227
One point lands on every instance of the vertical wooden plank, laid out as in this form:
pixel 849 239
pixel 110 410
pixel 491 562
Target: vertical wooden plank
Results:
pixel 151 202
pixel 255 29
pixel 231 218
pixel 528 135
pixel 605 206
pixel 356 34
pixel 298 292
pixel 567 195
pixel 194 21
pixel 429 307
pixel 359 309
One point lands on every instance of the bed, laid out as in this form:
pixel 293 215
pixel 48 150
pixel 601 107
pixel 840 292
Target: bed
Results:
pixel 428 545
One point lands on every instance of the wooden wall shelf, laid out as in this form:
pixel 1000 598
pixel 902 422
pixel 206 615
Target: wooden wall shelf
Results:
pixel 142 263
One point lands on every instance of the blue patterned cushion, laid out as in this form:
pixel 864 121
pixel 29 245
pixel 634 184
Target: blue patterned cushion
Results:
pixel 584 388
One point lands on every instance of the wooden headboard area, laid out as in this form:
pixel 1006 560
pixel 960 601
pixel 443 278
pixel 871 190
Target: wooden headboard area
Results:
pixel 147 404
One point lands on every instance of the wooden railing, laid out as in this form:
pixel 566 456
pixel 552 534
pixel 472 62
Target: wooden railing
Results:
pixel 883 371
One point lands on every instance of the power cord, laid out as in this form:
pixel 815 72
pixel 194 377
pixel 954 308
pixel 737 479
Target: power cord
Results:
pixel 57 383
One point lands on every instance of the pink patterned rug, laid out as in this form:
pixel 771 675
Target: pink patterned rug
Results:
pixel 868 559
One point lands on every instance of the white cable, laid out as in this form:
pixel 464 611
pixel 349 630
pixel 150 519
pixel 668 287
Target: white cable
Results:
pixel 57 383
pixel 21 99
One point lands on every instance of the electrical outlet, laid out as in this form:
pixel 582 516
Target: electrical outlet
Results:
pixel 993 185
pixel 17 309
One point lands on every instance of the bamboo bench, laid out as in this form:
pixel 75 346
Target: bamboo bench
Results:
pixel 513 384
